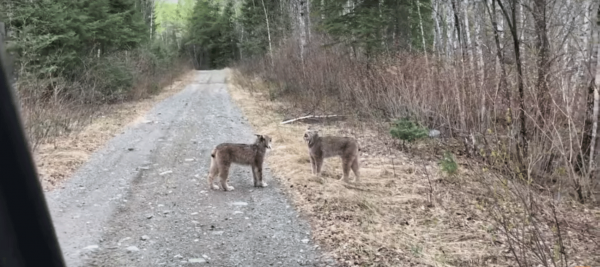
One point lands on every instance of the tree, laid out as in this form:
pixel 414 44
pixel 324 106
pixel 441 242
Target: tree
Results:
pixel 211 34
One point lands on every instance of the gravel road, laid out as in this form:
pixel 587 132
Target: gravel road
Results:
pixel 143 200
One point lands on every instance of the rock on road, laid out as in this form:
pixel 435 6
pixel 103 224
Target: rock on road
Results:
pixel 143 200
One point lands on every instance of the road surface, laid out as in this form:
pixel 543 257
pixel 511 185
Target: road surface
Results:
pixel 143 200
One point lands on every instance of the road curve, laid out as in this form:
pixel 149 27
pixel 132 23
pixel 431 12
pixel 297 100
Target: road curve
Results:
pixel 142 200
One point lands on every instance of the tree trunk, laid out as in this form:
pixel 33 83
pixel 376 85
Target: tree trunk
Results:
pixel 590 131
pixel 511 19
pixel 450 40
pixel 466 30
pixel 437 39
pixel 543 48
pixel 502 82
pixel 268 33
pixel 460 95
pixel 308 22
pixel 481 66
pixel 457 25
pixel 301 18
pixel 594 142
pixel 422 32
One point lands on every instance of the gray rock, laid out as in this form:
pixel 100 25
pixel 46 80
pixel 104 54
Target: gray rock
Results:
pixel 197 260
pixel 91 247
pixel 434 133
pixel 132 249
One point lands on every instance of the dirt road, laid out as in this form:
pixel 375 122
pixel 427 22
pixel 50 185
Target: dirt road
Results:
pixel 143 200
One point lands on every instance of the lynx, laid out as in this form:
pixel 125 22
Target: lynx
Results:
pixel 224 154
pixel 321 147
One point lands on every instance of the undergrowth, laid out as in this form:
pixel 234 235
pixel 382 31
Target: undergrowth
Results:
pixel 52 106
pixel 488 214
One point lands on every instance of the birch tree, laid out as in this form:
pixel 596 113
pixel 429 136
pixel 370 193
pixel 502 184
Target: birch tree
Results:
pixel 302 26
pixel 589 141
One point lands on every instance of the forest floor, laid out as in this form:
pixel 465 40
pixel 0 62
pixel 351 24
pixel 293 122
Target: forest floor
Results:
pixel 405 211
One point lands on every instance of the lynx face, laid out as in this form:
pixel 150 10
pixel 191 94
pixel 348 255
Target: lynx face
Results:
pixel 264 140
pixel 309 135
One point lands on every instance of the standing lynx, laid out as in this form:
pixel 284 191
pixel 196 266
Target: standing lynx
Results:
pixel 224 154
pixel 321 147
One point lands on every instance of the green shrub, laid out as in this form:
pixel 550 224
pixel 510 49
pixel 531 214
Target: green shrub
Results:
pixel 115 77
pixel 448 164
pixel 407 130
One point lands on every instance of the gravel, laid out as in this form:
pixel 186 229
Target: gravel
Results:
pixel 143 184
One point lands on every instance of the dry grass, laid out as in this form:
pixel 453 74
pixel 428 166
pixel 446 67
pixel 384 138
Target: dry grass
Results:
pixel 59 157
pixel 404 212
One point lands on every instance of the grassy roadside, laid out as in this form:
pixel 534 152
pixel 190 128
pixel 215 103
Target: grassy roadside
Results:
pixel 58 158
pixel 405 212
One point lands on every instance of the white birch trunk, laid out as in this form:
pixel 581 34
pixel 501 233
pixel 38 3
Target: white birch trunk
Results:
pixel 302 28
pixel 450 29
pixel 268 32
pixel 588 36
pixel 500 22
pixel 521 22
pixel 422 32
pixel 308 23
pixel 596 72
pixel 500 29
pixel 481 64
pixel 437 35
pixel 380 4
pixel 467 31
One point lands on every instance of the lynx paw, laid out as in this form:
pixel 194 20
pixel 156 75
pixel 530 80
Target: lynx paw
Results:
pixel 263 184
pixel 214 187
pixel 229 188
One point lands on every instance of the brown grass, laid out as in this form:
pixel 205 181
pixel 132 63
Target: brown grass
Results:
pixel 405 212
pixel 57 158
pixel 450 95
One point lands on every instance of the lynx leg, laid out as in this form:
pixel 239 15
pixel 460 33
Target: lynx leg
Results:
pixel 254 176
pixel 355 169
pixel 319 164
pixel 224 175
pixel 211 174
pixel 261 183
pixel 346 163
pixel 313 167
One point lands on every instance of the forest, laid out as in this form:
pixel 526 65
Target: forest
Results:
pixel 513 84
pixel 515 81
